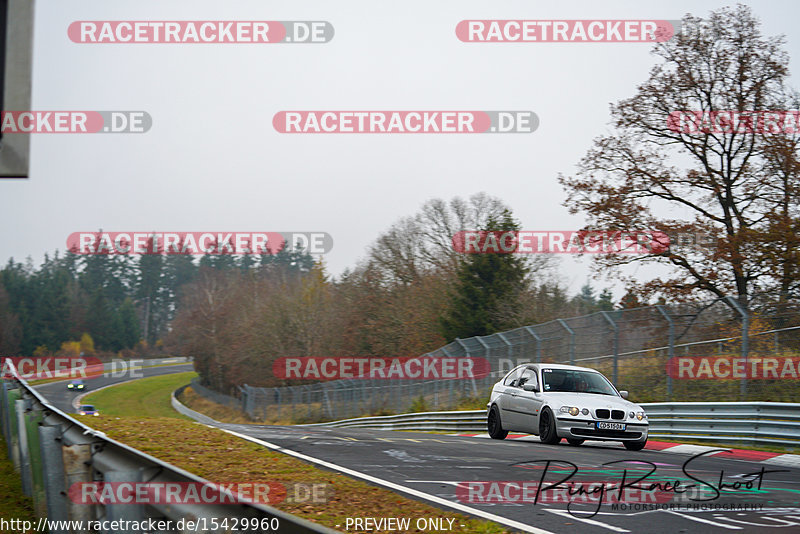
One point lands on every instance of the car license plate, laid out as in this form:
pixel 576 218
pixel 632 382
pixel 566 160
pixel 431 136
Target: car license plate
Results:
pixel 610 426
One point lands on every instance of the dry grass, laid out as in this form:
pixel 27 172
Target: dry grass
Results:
pixel 223 458
pixel 218 412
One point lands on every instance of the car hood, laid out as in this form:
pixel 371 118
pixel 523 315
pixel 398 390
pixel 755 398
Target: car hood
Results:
pixel 589 400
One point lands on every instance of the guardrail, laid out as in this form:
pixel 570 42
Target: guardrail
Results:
pixel 753 423
pixel 53 451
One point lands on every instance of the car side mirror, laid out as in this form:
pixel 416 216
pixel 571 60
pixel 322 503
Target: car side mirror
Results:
pixel 530 387
pixel 623 394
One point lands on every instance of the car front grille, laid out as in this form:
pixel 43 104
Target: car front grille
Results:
pixel 591 432
pixel 617 414
pixel 601 413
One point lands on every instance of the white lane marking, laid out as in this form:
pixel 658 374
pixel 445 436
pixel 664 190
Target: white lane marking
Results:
pixel 392 485
pixel 565 513
pixel 791 460
pixel 700 520
pixel 783 522
pixel 691 449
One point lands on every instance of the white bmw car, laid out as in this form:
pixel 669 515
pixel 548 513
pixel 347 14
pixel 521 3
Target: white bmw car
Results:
pixel 564 401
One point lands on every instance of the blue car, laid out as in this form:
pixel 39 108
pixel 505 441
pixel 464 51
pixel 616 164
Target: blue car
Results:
pixel 87 409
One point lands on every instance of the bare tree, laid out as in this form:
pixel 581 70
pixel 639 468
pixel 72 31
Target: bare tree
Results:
pixel 652 174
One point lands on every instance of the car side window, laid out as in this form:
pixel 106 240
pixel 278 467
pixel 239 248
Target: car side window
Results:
pixel 511 379
pixel 528 377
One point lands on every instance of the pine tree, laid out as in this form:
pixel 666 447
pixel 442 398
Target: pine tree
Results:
pixel 484 281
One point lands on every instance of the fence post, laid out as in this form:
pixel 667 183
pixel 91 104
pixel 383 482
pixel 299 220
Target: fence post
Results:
pixel 670 343
pixel 244 394
pixel 538 339
pixel 571 333
pixel 510 352
pixel 486 351
pixel 745 341
pixel 468 355
pixel 616 344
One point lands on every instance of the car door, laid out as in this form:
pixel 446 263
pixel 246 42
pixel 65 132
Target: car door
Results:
pixel 528 404
pixel 508 391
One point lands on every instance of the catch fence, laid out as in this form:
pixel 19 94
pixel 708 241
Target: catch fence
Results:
pixel 709 343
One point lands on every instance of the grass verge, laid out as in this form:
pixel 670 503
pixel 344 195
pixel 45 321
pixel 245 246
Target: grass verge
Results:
pixel 133 413
pixel 216 411
pixel 147 397
pixel 13 503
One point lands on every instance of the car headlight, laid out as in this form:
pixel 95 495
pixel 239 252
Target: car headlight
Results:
pixel 70 386
pixel 82 413
pixel 640 416
pixel 97 413
pixel 572 410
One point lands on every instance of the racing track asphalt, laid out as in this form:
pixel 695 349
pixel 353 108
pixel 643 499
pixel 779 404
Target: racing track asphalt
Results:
pixel 62 398
pixel 429 466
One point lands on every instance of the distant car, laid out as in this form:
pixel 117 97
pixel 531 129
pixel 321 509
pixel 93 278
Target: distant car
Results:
pixel 76 384
pixel 564 401
pixel 87 409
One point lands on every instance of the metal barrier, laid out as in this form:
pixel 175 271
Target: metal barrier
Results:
pixel 753 423
pixel 53 451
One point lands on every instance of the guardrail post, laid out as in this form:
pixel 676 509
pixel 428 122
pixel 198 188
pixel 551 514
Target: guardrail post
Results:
pixel 77 461
pixel 745 342
pixel 131 511
pixel 616 344
pixel 5 416
pixel 670 344
pixel 53 471
pixel 538 338
pixel 24 452
pixel 571 333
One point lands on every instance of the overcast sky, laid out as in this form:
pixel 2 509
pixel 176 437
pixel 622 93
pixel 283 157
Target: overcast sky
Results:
pixel 212 160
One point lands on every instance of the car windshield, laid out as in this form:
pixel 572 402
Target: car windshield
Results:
pixel 87 408
pixel 576 381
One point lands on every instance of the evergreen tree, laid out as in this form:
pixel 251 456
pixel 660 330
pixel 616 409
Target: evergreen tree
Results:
pixel 128 334
pixel 484 282
pixel 605 302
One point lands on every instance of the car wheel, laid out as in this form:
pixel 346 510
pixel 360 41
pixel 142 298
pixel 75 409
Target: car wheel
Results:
pixel 547 428
pixel 634 445
pixel 575 442
pixel 494 425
